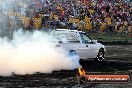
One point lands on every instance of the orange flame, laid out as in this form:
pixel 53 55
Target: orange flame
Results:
pixel 81 71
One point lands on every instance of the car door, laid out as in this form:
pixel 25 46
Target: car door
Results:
pixel 89 47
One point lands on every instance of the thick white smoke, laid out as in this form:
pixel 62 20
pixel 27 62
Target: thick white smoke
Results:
pixel 28 53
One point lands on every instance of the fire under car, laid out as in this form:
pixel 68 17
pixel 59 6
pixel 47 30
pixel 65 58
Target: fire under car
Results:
pixel 79 43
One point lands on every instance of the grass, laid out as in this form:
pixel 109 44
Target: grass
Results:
pixel 111 37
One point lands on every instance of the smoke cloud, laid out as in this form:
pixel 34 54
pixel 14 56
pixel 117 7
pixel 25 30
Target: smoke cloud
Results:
pixel 30 52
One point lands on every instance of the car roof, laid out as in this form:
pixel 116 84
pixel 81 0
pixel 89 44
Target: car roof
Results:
pixel 68 30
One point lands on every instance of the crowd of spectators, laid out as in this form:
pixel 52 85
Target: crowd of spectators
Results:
pixel 84 15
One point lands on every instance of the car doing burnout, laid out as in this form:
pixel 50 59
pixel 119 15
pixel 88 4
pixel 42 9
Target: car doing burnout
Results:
pixel 77 42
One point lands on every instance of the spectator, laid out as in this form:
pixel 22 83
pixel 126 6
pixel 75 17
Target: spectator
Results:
pixel 85 15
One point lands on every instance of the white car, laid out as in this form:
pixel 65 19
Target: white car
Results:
pixel 77 42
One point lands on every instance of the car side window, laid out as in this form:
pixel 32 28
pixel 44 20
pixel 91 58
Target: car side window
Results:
pixel 66 37
pixel 85 38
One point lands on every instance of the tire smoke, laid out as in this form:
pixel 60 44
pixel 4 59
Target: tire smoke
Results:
pixel 30 52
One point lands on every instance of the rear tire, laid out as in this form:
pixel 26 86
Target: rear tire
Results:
pixel 72 53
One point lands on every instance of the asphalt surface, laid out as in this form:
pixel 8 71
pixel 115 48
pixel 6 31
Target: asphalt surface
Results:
pixel 118 61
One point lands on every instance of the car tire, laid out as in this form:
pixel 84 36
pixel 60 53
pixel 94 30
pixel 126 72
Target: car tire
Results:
pixel 100 56
pixel 72 53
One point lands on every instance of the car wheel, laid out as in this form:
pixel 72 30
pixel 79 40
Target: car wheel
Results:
pixel 72 53
pixel 100 56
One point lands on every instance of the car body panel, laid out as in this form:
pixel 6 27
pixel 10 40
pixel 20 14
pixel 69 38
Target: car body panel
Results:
pixel 73 40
